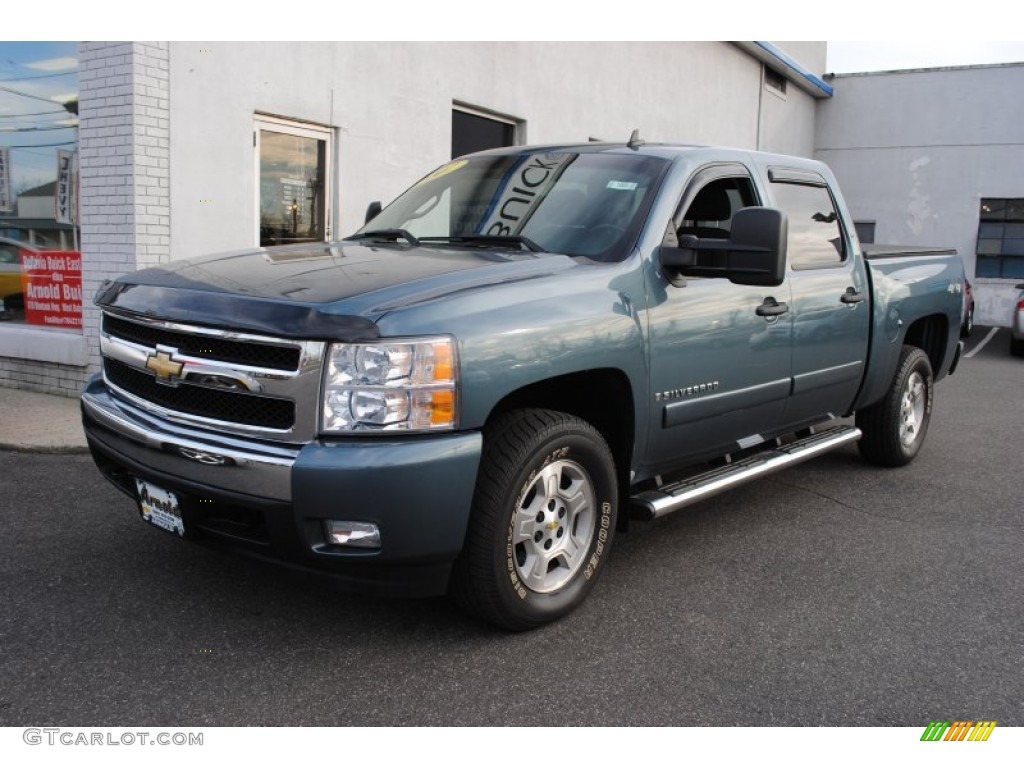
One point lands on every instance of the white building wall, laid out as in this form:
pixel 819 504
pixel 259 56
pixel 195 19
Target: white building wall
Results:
pixel 915 151
pixel 787 122
pixel 390 105
pixel 813 54
pixel 168 168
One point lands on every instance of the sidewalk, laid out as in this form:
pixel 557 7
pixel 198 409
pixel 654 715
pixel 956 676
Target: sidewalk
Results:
pixel 33 421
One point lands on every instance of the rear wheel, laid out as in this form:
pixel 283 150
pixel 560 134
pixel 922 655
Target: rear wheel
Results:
pixel 894 428
pixel 542 521
pixel 1017 347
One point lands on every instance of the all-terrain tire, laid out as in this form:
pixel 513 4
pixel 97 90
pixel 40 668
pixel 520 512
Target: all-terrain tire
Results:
pixel 542 521
pixel 894 428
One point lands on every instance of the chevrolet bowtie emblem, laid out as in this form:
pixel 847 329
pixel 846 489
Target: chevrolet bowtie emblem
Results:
pixel 163 366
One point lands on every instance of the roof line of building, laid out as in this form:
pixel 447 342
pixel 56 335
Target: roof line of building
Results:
pixel 786 65
pixel 950 68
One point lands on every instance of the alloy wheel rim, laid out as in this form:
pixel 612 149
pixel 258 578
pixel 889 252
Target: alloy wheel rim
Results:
pixel 553 526
pixel 912 405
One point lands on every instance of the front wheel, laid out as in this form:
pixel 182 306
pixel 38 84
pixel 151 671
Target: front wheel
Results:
pixel 894 428
pixel 542 521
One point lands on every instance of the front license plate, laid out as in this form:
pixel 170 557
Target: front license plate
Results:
pixel 160 507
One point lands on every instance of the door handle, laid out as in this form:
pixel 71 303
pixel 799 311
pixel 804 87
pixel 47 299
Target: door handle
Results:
pixel 852 296
pixel 772 308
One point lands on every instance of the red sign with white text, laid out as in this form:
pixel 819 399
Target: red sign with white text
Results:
pixel 51 283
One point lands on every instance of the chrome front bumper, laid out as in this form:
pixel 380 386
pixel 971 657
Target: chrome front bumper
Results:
pixel 240 466
pixel 271 500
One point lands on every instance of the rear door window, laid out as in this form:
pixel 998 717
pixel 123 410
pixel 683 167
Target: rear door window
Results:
pixel 815 236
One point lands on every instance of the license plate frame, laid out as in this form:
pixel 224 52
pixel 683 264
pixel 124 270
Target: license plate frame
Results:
pixel 159 507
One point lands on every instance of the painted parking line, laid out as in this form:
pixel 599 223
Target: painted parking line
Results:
pixel 984 341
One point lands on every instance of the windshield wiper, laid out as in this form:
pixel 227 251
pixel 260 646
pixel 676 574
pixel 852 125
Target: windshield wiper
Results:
pixel 386 234
pixel 485 240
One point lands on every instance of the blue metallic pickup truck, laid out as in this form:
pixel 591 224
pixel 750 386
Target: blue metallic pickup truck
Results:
pixel 477 390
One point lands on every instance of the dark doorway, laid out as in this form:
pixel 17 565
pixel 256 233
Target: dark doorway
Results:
pixel 473 133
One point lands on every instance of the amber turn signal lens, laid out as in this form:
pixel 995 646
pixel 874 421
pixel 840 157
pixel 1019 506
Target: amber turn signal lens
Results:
pixel 443 362
pixel 442 407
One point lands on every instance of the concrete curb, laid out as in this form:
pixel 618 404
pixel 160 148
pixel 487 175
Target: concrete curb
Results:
pixel 34 422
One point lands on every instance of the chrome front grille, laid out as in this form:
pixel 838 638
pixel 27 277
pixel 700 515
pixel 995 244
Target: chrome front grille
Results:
pixel 237 383
pixel 274 356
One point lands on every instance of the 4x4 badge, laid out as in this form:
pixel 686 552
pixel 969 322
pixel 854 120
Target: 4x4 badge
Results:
pixel 163 366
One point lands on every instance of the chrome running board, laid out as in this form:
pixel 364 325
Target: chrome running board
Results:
pixel 649 505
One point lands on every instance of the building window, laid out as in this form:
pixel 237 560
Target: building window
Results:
pixel 815 237
pixel 1001 238
pixel 293 168
pixel 774 81
pixel 473 131
pixel 40 262
pixel 865 231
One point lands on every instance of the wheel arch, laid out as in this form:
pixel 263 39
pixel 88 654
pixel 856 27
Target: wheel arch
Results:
pixel 931 335
pixel 603 397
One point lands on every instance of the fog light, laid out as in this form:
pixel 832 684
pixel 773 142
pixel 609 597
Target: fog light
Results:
pixel 352 534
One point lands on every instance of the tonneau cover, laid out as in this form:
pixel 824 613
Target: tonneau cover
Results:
pixel 876 251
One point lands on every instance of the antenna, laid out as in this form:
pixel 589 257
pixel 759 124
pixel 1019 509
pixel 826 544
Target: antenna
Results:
pixel 635 142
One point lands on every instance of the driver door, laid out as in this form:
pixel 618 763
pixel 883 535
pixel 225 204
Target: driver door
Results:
pixel 720 371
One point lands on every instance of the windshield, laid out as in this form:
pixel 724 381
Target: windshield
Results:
pixel 580 204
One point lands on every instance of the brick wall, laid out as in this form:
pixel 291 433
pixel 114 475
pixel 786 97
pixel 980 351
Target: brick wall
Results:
pixel 123 148
pixel 123 142
pixel 52 378
pixel 151 118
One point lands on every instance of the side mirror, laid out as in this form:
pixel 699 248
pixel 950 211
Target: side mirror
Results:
pixel 754 254
pixel 372 210
pixel 758 246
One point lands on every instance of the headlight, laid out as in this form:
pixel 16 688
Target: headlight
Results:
pixel 394 384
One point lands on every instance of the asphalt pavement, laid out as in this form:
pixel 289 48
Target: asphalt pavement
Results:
pixel 834 593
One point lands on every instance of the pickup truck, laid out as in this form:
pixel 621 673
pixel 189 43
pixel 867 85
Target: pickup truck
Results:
pixel 523 352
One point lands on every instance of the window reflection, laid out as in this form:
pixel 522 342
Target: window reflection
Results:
pixel 1000 245
pixel 292 173
pixel 40 265
pixel 815 237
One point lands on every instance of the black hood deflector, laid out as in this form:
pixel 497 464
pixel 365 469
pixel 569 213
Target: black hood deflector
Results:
pixel 234 312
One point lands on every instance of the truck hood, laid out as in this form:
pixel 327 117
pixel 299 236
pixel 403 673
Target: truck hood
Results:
pixel 321 290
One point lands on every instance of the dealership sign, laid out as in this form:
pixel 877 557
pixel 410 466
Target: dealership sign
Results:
pixel 51 283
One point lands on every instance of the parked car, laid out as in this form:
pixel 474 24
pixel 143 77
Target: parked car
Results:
pixel 12 303
pixel 1017 325
pixel 967 324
